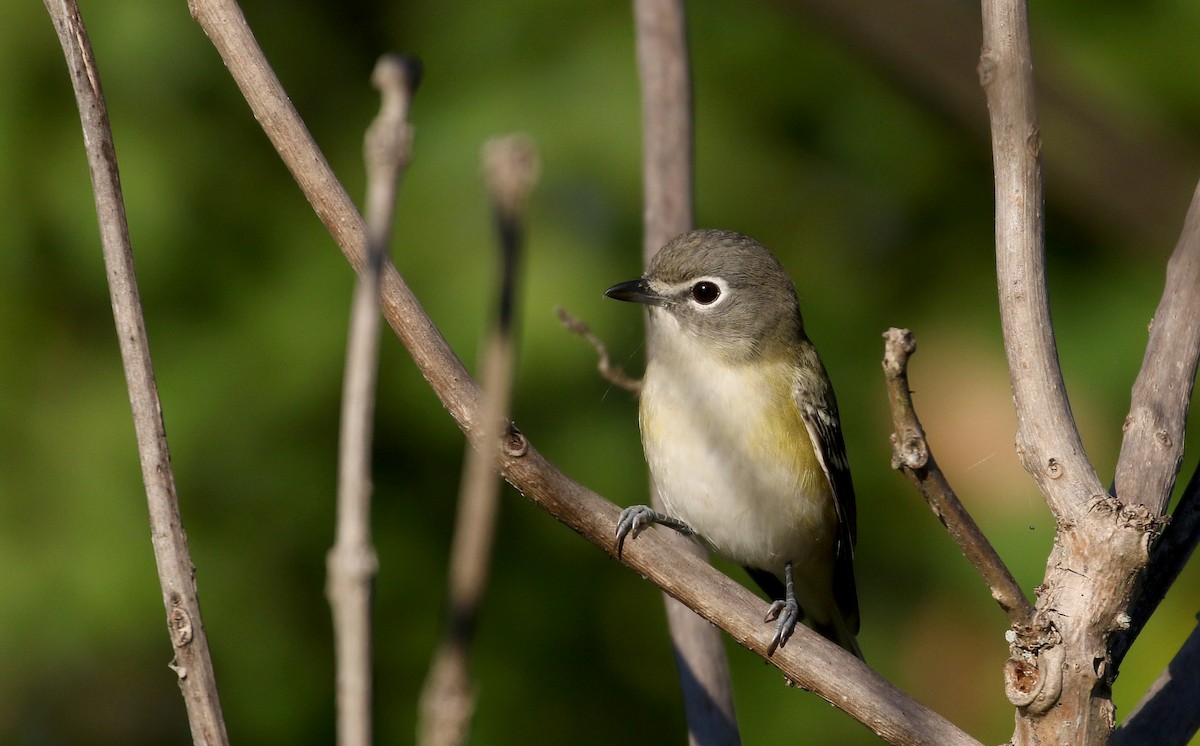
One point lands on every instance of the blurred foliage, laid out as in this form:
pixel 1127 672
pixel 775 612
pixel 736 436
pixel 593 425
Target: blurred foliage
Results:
pixel 881 210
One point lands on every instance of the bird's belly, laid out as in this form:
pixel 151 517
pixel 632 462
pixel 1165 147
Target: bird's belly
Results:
pixel 748 483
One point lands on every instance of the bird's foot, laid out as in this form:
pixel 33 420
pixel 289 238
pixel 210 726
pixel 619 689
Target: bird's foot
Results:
pixel 788 614
pixel 787 611
pixel 635 518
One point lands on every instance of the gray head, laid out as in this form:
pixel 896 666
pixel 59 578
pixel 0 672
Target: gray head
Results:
pixel 724 288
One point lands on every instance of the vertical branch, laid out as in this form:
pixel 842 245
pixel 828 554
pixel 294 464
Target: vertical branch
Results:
pixel 667 145
pixel 176 572
pixel 448 699
pixel 351 562
pixel 1047 439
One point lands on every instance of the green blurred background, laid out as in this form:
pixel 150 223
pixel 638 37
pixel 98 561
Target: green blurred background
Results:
pixel 820 131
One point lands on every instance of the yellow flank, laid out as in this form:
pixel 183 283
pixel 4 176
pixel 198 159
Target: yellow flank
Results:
pixel 781 437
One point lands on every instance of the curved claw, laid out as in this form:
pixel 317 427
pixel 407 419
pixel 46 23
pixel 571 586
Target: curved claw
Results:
pixel 788 613
pixel 636 517
pixel 633 519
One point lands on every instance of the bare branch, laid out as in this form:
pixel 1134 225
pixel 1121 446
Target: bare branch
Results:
pixel 1047 439
pixel 352 563
pixel 610 372
pixel 911 454
pixel 448 699
pixel 809 660
pixel 1152 450
pixel 176 573
pixel 1169 714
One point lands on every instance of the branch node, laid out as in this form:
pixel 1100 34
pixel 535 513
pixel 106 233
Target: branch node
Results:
pixel 1035 685
pixel 514 444
pixel 1054 470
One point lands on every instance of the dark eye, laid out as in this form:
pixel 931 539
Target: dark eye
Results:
pixel 706 292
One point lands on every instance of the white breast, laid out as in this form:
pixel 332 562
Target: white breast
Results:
pixel 731 457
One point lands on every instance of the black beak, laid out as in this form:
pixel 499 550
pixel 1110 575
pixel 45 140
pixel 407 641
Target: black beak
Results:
pixel 635 291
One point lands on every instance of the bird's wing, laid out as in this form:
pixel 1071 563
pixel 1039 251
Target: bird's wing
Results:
pixel 818 408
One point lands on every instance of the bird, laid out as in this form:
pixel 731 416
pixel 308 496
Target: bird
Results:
pixel 740 429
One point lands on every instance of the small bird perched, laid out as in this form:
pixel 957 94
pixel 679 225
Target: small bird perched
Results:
pixel 740 428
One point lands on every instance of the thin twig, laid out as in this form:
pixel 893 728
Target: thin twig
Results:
pixel 809 660
pixel 448 699
pixel 352 563
pixel 609 371
pixel 667 144
pixel 176 573
pixel 911 455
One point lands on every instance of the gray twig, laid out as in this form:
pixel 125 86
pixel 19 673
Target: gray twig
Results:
pixel 352 563
pixel 448 699
pixel 176 573
pixel 609 371
pixel 911 454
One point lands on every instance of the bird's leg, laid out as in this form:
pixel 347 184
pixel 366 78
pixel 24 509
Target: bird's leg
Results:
pixel 637 517
pixel 787 610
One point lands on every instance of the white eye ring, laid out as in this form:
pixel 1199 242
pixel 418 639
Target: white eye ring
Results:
pixel 707 292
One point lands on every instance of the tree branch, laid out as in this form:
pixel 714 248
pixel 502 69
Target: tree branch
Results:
pixel 1047 438
pixel 1169 714
pixel 176 573
pixel 448 699
pixel 1057 672
pixel 911 454
pixel 352 563
pixel 1152 450
pixel 809 661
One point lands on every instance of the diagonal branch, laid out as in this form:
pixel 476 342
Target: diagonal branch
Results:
pixel 911 455
pixel 1152 450
pixel 176 572
pixel 813 663
pixel 1169 713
